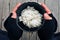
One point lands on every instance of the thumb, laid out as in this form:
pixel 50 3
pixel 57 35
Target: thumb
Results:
pixel 47 17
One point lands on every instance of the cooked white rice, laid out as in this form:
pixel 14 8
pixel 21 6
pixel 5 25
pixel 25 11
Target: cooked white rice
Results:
pixel 31 17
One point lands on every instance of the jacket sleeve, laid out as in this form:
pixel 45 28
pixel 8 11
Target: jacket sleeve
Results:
pixel 14 32
pixel 48 29
pixel 55 21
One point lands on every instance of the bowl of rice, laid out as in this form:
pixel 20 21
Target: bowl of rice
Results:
pixel 30 16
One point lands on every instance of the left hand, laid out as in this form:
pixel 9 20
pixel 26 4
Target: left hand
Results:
pixel 46 16
pixel 14 11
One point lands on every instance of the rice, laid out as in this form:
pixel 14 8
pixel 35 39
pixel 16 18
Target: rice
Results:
pixel 30 17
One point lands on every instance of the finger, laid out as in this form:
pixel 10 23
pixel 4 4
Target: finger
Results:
pixel 15 8
pixel 46 8
pixel 47 17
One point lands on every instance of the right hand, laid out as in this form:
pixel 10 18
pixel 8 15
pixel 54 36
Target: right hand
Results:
pixel 46 15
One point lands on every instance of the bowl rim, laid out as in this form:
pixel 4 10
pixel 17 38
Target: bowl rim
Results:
pixel 19 10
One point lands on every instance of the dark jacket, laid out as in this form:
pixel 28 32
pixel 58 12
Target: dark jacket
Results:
pixel 15 32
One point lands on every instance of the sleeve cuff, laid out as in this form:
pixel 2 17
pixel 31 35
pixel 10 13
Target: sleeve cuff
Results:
pixel 10 17
pixel 51 15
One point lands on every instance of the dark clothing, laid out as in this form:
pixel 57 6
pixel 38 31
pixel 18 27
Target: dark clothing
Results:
pixel 3 35
pixel 14 33
pixel 45 33
pixel 50 27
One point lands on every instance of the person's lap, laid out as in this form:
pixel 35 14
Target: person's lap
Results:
pixel 15 33
pixel 3 35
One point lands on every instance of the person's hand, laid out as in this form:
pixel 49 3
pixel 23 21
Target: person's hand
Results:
pixel 46 15
pixel 14 14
